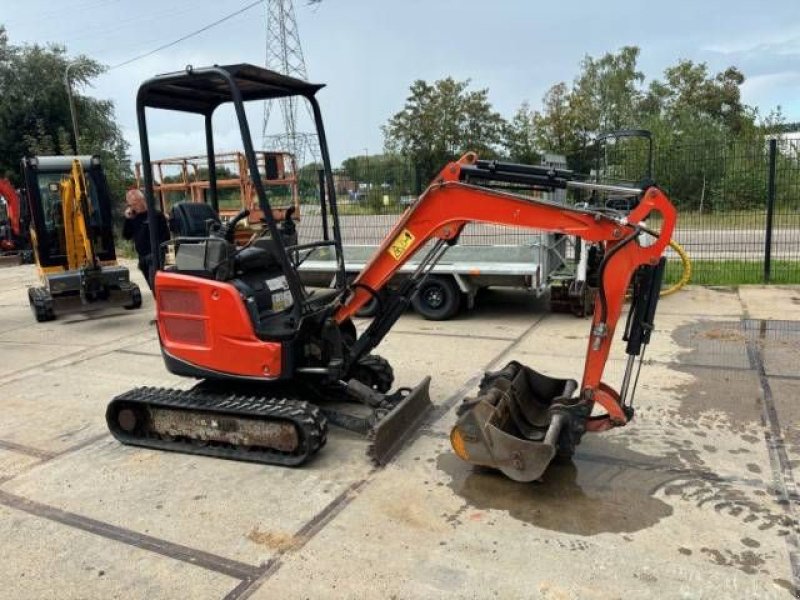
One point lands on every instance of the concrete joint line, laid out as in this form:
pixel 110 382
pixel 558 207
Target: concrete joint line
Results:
pixel 57 363
pixel 251 577
pixel 782 476
pixel 246 588
pixel 442 409
pixel 219 564
pixel 442 334
pixel 43 455
pixel 304 535
pixel 46 456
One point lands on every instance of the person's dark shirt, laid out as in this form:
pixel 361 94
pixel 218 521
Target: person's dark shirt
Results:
pixel 136 229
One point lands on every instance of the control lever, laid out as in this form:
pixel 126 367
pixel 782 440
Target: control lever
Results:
pixel 229 228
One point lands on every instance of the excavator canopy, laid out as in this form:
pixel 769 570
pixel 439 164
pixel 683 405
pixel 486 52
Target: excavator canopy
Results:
pixel 202 90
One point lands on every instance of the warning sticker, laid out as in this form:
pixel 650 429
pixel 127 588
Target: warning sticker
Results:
pixel 400 244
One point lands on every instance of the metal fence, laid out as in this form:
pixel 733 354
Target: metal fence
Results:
pixel 738 203
pixel 370 201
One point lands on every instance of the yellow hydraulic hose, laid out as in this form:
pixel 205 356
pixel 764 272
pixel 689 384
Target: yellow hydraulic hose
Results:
pixel 687 269
pixel 685 276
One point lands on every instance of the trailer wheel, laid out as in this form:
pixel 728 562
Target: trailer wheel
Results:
pixel 437 299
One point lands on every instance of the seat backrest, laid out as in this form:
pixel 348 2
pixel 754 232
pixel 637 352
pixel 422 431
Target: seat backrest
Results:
pixel 190 219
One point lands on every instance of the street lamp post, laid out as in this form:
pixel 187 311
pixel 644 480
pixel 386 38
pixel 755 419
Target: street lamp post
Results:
pixel 72 112
pixel 366 168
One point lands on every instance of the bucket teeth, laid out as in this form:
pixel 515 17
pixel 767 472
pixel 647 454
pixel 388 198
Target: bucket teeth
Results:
pixel 518 423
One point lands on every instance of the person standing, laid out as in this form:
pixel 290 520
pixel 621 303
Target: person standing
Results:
pixel 136 228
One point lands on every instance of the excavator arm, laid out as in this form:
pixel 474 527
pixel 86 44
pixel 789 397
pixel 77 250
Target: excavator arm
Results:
pixel 455 199
pixel 75 212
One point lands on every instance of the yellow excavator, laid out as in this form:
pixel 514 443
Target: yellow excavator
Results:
pixel 72 236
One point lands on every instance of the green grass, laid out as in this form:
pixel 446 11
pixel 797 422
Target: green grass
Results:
pixel 783 218
pixel 735 272
pixel 124 247
pixel 367 209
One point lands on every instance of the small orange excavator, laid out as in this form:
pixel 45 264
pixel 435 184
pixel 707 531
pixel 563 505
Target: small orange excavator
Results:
pixel 277 362
pixel 13 240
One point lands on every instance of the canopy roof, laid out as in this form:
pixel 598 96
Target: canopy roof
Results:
pixel 203 89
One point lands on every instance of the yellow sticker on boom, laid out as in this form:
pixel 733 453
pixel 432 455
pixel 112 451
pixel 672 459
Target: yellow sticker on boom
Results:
pixel 400 244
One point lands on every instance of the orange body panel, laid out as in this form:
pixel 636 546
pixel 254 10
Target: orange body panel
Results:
pixel 12 205
pixel 204 323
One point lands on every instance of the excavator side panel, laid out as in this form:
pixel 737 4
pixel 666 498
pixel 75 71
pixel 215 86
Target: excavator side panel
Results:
pixel 204 326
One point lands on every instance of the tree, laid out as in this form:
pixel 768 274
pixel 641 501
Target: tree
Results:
pixel 604 96
pixel 34 110
pixel 609 94
pixel 520 139
pixel 557 128
pixel 699 122
pixel 308 182
pixel 689 95
pixel 378 169
pixel 442 120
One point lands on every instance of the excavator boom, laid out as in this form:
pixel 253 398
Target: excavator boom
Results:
pixel 439 215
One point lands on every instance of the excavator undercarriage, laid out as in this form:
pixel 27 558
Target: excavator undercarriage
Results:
pixel 239 422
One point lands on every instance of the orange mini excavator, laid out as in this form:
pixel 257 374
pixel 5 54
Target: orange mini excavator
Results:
pixel 12 223
pixel 277 361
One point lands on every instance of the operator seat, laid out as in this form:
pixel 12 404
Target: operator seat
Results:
pixel 191 219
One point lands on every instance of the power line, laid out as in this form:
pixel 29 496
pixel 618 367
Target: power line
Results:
pixel 187 36
pixel 98 31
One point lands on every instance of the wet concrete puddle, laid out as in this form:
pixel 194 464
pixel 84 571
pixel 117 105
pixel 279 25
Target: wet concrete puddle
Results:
pixel 598 492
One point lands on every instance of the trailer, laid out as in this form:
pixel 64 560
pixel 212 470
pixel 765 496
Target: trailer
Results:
pixel 485 256
pixel 462 272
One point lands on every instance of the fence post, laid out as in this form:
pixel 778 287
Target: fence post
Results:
pixel 773 151
pixel 323 203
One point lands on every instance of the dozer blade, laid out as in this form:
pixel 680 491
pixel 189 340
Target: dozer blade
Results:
pixel 9 260
pixel 518 423
pixel 389 434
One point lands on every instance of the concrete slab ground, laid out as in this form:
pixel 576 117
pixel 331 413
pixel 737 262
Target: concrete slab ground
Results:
pixel 697 498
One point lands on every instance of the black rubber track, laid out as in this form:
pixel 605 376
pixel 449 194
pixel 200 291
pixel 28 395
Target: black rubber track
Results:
pixel 311 425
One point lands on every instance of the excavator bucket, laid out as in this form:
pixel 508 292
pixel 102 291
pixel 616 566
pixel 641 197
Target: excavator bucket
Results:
pixel 518 423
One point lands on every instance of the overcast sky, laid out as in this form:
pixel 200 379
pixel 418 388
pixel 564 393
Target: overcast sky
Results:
pixel 369 52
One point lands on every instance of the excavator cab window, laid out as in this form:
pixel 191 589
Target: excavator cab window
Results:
pixel 50 193
pixel 96 222
pixel 53 213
